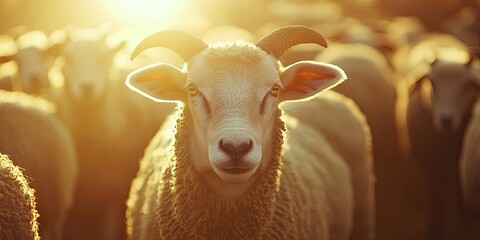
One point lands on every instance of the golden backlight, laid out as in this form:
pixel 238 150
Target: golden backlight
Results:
pixel 143 10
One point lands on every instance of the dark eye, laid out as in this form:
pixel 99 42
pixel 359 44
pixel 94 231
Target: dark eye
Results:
pixel 275 90
pixel 192 89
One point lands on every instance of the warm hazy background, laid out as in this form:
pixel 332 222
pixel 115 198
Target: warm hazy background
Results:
pixel 49 15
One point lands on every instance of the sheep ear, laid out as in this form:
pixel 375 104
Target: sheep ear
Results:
pixel 417 75
pixel 414 86
pixel 304 79
pixel 159 82
pixel 6 58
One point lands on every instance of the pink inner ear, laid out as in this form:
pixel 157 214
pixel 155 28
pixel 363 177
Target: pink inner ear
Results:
pixel 4 59
pixel 312 74
pixel 151 78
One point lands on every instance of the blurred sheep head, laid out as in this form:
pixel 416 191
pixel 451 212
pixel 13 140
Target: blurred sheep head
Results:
pixel 31 56
pixel 87 66
pixel 232 91
pixel 453 87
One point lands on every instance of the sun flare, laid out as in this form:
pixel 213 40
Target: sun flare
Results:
pixel 144 10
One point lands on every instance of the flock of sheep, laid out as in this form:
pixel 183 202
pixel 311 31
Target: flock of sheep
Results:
pixel 266 135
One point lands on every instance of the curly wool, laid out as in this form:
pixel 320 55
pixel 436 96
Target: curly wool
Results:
pixel 184 207
pixel 238 218
pixel 18 214
pixel 36 140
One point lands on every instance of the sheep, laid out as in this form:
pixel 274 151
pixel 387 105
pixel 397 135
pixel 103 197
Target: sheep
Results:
pixel 469 162
pixel 372 88
pixel 230 169
pixel 469 180
pixel 99 110
pixel 31 56
pixel 439 98
pixel 18 212
pixel 344 117
pixel 36 140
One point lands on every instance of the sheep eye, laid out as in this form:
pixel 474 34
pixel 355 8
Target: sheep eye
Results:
pixel 275 90
pixel 192 89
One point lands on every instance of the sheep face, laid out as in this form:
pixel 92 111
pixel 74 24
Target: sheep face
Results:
pixel 31 69
pixel 87 68
pixel 232 91
pixel 454 90
pixel 32 72
pixel 232 95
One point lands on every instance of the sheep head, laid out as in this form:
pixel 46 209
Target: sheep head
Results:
pixel 232 91
pixel 30 56
pixel 452 88
pixel 87 66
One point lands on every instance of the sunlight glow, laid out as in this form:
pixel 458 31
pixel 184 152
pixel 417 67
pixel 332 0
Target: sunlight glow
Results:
pixel 144 10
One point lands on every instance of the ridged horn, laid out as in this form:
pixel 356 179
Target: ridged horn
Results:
pixel 278 41
pixel 183 44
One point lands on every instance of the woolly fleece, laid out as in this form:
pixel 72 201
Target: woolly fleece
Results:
pixel 18 214
pixel 289 201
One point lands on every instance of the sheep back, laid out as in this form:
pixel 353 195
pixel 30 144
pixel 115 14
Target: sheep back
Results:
pixel 38 142
pixel 18 213
pixel 346 128
pixel 470 162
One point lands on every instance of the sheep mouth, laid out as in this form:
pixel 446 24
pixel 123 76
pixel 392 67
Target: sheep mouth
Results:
pixel 235 171
pixel 234 174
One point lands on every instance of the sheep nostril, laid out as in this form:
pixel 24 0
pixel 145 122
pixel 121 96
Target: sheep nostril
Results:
pixel 236 150
pixel 446 122
pixel 87 89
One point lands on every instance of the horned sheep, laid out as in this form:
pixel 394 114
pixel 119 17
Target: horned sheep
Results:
pixel 237 166
pixel 36 140
pixel 18 212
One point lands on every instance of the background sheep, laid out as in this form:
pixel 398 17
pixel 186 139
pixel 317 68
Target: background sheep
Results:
pixel 341 127
pixel 100 112
pixel 439 106
pixel 242 186
pixel 469 162
pixel 33 51
pixel 18 212
pixel 38 142
pixel 469 177
pixel 371 86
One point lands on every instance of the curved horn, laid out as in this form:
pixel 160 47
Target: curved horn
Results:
pixel 278 41
pixel 183 44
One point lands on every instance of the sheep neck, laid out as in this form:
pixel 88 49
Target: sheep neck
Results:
pixel 200 213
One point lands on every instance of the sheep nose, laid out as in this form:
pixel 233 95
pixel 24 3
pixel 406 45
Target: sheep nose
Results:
pixel 236 150
pixel 87 89
pixel 446 121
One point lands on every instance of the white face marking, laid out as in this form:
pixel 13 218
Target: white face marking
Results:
pixel 233 113
pixel 87 69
